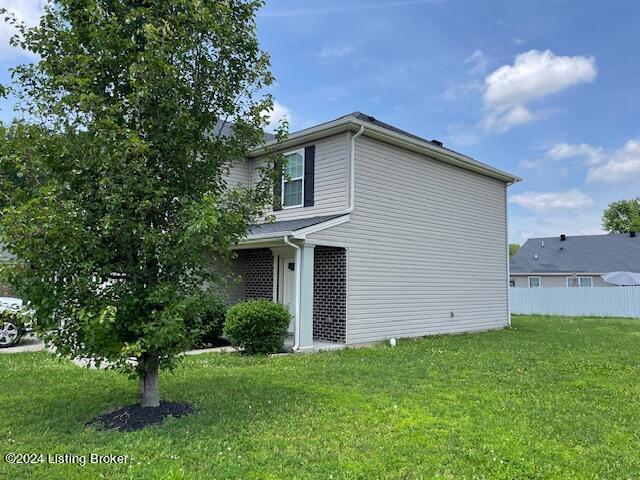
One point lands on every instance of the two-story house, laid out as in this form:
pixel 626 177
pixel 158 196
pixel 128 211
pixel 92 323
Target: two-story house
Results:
pixel 378 234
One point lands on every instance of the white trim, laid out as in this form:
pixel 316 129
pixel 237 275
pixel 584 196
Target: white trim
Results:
pixel 304 160
pixel 529 281
pixel 296 234
pixel 318 227
pixel 346 298
pixel 327 243
pixel 508 257
pixel 276 271
pixel 298 256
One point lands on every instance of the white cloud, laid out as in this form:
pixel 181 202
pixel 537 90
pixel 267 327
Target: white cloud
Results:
pixel 327 54
pixel 278 113
pixel 462 90
pixel 526 164
pixel 27 11
pixel 560 151
pixel 477 62
pixel 503 120
pixel 533 75
pixel 623 165
pixel 543 201
pixel 536 74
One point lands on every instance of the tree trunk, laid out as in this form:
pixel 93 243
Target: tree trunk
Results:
pixel 148 371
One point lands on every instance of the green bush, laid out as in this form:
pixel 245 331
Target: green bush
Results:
pixel 258 326
pixel 212 314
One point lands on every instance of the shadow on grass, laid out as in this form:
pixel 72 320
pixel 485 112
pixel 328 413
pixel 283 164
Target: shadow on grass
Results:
pixel 59 398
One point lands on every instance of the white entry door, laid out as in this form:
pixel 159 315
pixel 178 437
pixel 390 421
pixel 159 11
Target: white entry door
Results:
pixel 289 287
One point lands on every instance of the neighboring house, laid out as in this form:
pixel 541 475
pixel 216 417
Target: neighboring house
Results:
pixel 579 261
pixel 378 234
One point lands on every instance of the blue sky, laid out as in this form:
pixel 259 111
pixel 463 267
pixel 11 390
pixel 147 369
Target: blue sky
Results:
pixel 548 90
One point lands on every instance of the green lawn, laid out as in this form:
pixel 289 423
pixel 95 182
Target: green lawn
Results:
pixel 549 398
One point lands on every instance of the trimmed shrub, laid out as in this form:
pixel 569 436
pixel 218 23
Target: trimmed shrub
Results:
pixel 212 315
pixel 258 326
pixel 204 317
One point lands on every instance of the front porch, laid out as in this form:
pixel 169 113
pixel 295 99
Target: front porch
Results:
pixel 314 274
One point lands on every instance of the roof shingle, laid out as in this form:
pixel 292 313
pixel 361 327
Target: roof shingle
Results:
pixel 285 226
pixel 587 253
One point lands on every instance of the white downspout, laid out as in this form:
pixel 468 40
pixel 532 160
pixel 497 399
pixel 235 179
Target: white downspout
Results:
pixel 352 172
pixel 352 165
pixel 296 320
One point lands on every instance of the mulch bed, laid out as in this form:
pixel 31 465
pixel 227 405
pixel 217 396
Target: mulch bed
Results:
pixel 134 417
pixel 218 342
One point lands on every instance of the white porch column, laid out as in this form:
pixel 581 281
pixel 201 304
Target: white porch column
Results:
pixel 306 296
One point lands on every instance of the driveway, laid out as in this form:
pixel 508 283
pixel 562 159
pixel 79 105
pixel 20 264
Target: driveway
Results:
pixel 29 343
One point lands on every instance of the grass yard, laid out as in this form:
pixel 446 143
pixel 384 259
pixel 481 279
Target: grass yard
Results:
pixel 550 398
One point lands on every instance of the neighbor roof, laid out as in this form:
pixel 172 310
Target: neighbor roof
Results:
pixel 288 226
pixel 382 131
pixel 586 253
pixel 225 129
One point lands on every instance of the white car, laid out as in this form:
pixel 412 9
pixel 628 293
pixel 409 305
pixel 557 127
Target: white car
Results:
pixel 11 331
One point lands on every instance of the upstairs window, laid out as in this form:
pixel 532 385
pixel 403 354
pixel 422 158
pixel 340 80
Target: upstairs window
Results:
pixel 293 179
pixel 534 282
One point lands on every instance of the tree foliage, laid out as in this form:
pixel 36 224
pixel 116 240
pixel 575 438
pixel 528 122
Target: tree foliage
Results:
pixel 114 194
pixel 513 248
pixel 622 216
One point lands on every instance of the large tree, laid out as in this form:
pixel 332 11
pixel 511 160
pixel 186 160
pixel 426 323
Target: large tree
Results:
pixel 622 216
pixel 115 200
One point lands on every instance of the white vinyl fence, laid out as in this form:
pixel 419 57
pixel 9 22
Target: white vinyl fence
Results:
pixel 595 301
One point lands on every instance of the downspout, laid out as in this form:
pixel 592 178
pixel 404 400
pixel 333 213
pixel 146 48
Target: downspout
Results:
pixel 352 172
pixel 296 321
pixel 352 165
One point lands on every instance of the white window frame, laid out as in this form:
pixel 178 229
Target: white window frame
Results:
pixel 583 278
pixel 579 282
pixel 539 282
pixel 284 180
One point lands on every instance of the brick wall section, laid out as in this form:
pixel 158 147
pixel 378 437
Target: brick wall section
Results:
pixel 258 274
pixel 330 294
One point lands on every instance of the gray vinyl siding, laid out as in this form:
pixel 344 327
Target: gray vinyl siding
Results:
pixel 425 239
pixel 556 281
pixel 331 179
pixel 239 173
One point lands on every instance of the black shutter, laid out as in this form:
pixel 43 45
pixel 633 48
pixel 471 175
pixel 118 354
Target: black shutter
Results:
pixel 277 187
pixel 309 174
